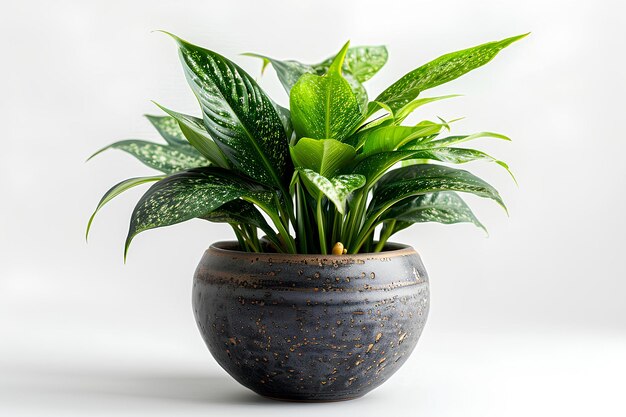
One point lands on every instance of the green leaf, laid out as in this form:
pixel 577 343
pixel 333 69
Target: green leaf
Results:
pixel 389 138
pixel 238 115
pixel 165 158
pixel 405 111
pixel 242 212
pixel 337 188
pixel 374 166
pixel 362 62
pixel 168 128
pixel 324 107
pixel 420 179
pixel 453 140
pixel 445 207
pixel 195 133
pixel 439 71
pixel 289 72
pixel 116 190
pixel 458 156
pixel 190 194
pixel 324 156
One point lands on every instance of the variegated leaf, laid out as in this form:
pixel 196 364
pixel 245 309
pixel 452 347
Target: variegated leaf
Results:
pixel 362 62
pixel 337 189
pixel 195 133
pixel 189 194
pixel 439 71
pixel 421 179
pixel 165 158
pixel 445 207
pixel 238 115
pixel 457 156
pixel 168 128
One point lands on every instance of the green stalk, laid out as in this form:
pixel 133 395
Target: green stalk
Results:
pixel 302 219
pixel 320 226
pixel 384 235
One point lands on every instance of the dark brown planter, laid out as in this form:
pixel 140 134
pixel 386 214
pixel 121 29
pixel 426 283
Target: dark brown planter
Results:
pixel 310 327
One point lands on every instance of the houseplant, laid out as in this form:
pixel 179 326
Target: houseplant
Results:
pixel 320 306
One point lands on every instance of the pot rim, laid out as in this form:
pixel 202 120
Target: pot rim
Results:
pixel 225 247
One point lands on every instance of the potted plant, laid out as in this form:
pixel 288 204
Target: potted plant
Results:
pixel 319 306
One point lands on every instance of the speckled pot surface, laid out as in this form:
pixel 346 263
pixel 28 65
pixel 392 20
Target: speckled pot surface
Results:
pixel 310 327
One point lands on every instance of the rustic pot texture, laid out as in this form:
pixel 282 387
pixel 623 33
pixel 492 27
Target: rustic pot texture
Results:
pixel 310 327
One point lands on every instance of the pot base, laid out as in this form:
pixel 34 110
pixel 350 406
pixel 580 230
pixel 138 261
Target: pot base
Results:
pixel 310 400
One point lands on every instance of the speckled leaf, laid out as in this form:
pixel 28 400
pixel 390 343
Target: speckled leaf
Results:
pixel 445 207
pixel 288 72
pixel 242 212
pixel 238 115
pixel 168 128
pixel 457 156
pixel 165 158
pixel 118 189
pixel 439 71
pixel 324 107
pixel 363 62
pixel 337 188
pixel 195 133
pixel 324 156
pixel 420 179
pixel 189 194
pixel 389 138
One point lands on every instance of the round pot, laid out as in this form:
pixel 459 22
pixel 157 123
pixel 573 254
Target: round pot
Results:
pixel 310 327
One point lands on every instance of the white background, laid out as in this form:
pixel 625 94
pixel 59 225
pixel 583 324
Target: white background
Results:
pixel 530 321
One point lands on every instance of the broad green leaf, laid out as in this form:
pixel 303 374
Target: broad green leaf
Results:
pixel 445 207
pixel 168 128
pixel 439 71
pixel 238 115
pixel 116 190
pixel 421 179
pixel 242 212
pixel 362 62
pixel 189 194
pixel 324 156
pixel 457 156
pixel 405 111
pixel 324 107
pixel 337 189
pixel 195 133
pixel 389 138
pixel 165 158
pixel 375 166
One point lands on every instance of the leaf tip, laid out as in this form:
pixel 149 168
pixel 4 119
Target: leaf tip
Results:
pixel 337 64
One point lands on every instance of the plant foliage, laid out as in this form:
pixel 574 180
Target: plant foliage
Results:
pixel 334 167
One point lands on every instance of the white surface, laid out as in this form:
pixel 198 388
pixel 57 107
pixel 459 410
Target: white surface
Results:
pixel 530 321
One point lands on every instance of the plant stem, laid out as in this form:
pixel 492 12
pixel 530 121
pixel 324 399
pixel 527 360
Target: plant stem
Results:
pixel 384 235
pixel 320 226
pixel 302 219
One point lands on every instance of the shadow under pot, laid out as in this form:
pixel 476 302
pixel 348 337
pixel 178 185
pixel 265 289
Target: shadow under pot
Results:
pixel 310 327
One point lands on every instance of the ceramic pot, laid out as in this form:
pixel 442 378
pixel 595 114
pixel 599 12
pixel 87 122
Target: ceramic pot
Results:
pixel 310 327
